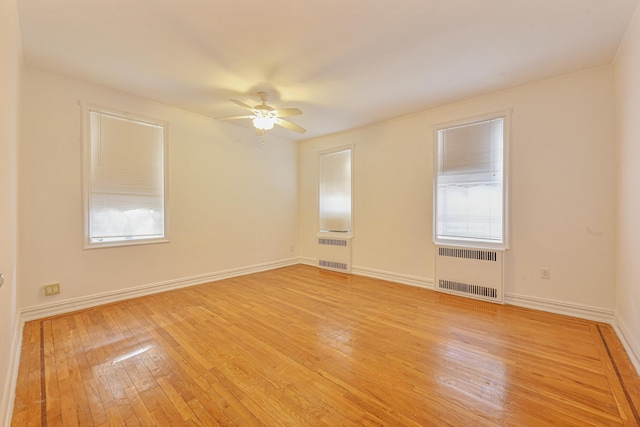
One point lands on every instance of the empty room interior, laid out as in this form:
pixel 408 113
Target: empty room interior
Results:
pixel 320 213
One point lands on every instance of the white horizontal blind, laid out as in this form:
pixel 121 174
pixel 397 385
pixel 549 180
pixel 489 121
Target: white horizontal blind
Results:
pixel 335 191
pixel 126 179
pixel 469 182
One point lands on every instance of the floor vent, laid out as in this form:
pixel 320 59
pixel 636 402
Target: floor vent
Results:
pixel 474 273
pixel 335 254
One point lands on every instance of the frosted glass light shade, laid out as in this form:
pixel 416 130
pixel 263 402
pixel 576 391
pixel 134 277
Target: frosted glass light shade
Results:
pixel 264 123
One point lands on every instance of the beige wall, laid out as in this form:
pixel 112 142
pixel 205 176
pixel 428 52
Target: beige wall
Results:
pixel 10 68
pixel 627 68
pixel 233 200
pixel 562 190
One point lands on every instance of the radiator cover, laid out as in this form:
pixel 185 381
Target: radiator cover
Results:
pixel 334 253
pixel 470 272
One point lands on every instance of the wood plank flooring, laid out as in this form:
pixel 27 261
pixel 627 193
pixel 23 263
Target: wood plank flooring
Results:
pixel 299 346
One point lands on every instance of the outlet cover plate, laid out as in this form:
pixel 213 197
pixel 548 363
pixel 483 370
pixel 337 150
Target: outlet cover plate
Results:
pixel 52 289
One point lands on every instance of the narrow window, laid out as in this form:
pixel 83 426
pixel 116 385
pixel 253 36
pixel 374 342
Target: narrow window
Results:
pixel 125 179
pixel 335 191
pixel 470 183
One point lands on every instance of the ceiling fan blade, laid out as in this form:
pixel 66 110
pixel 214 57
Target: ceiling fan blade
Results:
pixel 287 112
pixel 291 126
pixel 236 117
pixel 242 104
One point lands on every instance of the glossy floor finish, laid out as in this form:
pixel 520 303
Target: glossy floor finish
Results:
pixel 303 347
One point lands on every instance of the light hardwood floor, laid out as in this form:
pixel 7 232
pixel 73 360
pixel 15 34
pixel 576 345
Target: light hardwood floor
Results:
pixel 303 347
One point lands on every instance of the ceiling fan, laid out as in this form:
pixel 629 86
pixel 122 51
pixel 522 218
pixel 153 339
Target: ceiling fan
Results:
pixel 265 116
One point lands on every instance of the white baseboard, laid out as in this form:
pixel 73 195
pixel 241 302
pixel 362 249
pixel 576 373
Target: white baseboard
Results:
pixel 8 395
pixel 627 339
pixel 542 304
pixel 404 279
pixel 47 310
pixel 559 307
pixel 308 261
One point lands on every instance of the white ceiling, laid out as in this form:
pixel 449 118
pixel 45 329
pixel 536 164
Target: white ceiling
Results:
pixel 345 63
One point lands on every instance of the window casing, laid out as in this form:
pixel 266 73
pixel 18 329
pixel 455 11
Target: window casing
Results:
pixel 470 182
pixel 334 191
pixel 124 178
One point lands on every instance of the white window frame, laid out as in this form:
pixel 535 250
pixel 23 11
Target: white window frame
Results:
pixel 325 233
pixel 87 108
pixel 476 243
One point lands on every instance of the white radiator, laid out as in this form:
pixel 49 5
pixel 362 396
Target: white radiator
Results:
pixel 334 253
pixel 474 273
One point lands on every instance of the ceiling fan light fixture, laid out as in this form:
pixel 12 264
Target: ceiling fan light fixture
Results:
pixel 265 117
pixel 264 123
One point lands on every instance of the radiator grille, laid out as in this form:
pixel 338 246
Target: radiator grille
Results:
pixel 334 265
pixel 468 253
pixel 467 288
pixel 333 242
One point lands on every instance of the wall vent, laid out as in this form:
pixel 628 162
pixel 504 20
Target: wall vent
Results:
pixel 474 273
pixel 335 254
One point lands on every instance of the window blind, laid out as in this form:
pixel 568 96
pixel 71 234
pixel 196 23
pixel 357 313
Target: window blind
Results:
pixel 126 179
pixel 471 149
pixel 469 182
pixel 335 191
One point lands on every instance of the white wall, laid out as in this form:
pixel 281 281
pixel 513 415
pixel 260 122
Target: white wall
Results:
pixel 627 72
pixel 10 58
pixel 562 187
pixel 233 200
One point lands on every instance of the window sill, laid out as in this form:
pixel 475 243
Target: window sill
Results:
pixel 124 243
pixel 471 244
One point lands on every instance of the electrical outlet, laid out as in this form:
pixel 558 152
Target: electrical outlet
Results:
pixel 52 289
pixel 545 273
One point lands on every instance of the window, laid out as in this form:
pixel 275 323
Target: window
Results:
pixel 124 179
pixel 470 202
pixel 334 195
